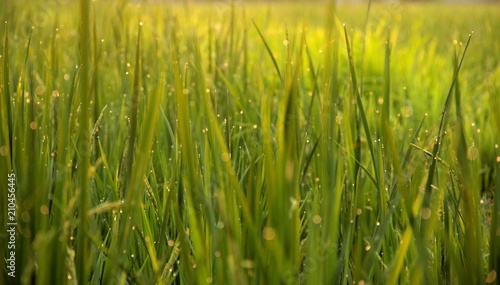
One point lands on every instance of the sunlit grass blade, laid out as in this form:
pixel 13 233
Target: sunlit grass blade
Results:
pixel 269 51
pixel 387 84
pixel 472 231
pixel 134 109
pixel 364 120
pixel 398 263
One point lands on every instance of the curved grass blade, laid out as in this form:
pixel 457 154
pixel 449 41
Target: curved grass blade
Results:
pixel 442 124
pixel 269 51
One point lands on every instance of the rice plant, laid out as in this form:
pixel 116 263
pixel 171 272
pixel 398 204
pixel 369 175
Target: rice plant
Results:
pixel 148 142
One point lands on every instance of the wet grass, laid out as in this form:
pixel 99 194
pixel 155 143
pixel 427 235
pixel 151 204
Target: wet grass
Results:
pixel 224 143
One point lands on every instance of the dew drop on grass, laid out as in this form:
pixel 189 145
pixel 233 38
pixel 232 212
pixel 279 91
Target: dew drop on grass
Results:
pixel 3 150
pixel 472 153
pixel 44 209
pixel 220 224
pixel 425 213
pixel 492 276
pixel 316 219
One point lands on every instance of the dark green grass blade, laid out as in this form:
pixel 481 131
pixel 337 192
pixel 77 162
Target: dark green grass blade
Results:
pixel 83 245
pixel 387 83
pixel 495 214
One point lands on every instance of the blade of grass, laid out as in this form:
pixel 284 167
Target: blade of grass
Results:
pixel 6 113
pixel 398 263
pixel 269 51
pixel 364 120
pixel 83 245
pixel 437 143
pixel 472 231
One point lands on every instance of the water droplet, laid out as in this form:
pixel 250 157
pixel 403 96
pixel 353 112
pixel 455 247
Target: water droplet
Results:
pixel 268 233
pixel 425 213
pixel 472 153
pixel 226 156
pixel 316 219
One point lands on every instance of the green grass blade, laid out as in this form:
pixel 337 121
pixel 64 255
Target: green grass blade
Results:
pixel 359 103
pixel 437 144
pixel 83 244
pixel 268 50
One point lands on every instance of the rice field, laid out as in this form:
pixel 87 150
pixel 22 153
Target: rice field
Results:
pixel 230 142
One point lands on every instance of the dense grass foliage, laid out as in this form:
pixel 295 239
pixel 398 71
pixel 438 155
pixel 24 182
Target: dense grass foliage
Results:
pixel 251 144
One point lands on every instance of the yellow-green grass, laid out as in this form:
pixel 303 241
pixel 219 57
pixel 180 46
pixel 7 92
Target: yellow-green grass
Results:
pixel 230 143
